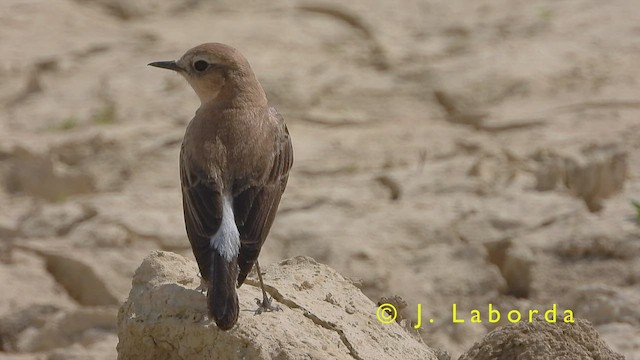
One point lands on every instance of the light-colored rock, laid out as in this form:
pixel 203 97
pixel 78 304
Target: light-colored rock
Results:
pixel 165 317
pixel 43 176
pixel 443 274
pixel 459 271
pixel 90 277
pixel 156 219
pixel 104 158
pixel 517 270
pixel 164 227
pixel 456 338
pixel 16 356
pixel 622 338
pixel 123 10
pixel 103 348
pixel 28 283
pixel 10 220
pixel 542 340
pixel 43 332
pixel 592 173
pixel 50 220
pixel 84 326
pixel 602 304
pixel 75 164
pixel 478 229
pixel 14 323
pixel 100 234
pixel 8 226
pixel 127 10
pixel 598 239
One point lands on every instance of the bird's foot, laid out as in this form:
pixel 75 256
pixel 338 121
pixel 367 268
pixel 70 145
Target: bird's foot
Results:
pixel 265 305
pixel 203 287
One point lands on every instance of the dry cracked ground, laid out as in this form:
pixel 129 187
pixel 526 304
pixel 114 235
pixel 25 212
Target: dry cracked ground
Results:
pixel 446 152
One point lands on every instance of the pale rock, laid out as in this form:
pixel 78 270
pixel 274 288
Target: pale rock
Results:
pixel 103 157
pixel 90 277
pixel 602 304
pixel 30 284
pixel 164 227
pixel 517 270
pixel 42 175
pixel 593 172
pixel 17 356
pixel 156 218
pixel 542 340
pixel 13 324
pixel 50 220
pixel 82 326
pixel 596 238
pixel 455 271
pixel 622 338
pixel 165 317
pixel 100 234
pixel 478 228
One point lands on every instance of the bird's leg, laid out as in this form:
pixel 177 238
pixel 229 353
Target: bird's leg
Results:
pixel 264 305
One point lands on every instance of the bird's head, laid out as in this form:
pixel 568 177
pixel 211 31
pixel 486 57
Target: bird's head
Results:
pixel 209 68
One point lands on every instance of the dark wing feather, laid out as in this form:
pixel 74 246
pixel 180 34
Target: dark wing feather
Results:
pixel 202 205
pixel 255 208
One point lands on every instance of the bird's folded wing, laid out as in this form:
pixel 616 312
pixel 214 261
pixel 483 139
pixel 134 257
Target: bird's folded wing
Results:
pixel 255 208
pixel 202 206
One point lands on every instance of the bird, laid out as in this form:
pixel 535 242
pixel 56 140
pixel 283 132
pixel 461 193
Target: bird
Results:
pixel 235 160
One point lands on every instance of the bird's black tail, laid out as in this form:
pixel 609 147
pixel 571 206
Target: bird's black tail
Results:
pixel 222 298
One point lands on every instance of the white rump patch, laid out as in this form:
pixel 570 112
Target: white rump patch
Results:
pixel 227 239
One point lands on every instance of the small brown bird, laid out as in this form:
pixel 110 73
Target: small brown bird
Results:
pixel 234 166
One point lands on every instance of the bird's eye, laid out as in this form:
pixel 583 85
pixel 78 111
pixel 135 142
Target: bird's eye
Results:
pixel 200 65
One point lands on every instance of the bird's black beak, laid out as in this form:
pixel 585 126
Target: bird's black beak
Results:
pixel 171 65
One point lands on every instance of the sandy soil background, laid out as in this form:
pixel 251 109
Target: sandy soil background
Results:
pixel 446 152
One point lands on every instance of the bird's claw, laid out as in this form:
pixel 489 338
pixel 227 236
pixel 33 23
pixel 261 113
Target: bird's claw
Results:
pixel 265 305
pixel 203 287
